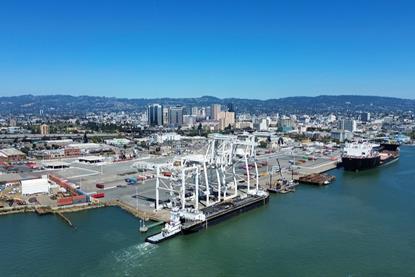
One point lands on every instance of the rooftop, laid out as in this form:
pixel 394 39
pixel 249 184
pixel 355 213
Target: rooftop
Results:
pixel 11 152
pixel 55 164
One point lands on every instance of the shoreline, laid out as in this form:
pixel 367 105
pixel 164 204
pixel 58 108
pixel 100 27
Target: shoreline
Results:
pixel 146 215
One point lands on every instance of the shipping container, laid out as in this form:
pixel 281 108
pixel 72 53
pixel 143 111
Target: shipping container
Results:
pixel 65 201
pixel 98 195
pixel 131 181
pixel 63 183
pixel 167 173
pixel 79 199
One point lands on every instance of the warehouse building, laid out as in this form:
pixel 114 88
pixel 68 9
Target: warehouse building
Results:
pixel 11 155
pixel 33 186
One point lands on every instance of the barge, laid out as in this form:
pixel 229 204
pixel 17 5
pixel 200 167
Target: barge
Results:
pixel 224 210
pixel 208 216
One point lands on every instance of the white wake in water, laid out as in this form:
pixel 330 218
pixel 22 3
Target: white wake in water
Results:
pixel 125 262
pixel 134 253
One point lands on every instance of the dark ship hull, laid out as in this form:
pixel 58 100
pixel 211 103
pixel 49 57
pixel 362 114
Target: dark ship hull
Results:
pixel 220 214
pixel 357 164
pixel 363 163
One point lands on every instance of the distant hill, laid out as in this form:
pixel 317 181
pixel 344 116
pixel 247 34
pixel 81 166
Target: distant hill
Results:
pixel 75 105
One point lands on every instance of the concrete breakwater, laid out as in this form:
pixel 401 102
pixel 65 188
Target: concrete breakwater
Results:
pixel 41 209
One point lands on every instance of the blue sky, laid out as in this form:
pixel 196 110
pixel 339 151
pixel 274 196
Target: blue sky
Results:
pixel 246 49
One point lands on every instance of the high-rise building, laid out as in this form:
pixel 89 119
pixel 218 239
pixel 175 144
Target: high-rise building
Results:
pixel 215 110
pixel 365 117
pixel 261 125
pixel 44 129
pixel 286 124
pixel 189 120
pixel 12 122
pixel 226 119
pixel 195 111
pixel 155 115
pixel 165 116
pixel 347 125
pixel 331 118
pixel 176 116
pixel 203 112
pixel 208 111
pixel 187 110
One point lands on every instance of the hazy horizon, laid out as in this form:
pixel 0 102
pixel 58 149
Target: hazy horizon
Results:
pixel 178 97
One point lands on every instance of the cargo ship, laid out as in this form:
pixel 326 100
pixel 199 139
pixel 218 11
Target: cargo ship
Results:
pixel 365 155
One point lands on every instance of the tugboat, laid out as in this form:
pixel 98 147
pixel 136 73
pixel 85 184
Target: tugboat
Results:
pixel 364 155
pixel 171 229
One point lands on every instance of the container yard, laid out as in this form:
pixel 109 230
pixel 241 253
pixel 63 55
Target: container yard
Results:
pixel 219 177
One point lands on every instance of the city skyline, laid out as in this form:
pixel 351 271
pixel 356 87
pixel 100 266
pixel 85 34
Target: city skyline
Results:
pixel 256 50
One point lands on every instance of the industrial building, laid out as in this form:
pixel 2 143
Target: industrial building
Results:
pixel 33 186
pixel 11 155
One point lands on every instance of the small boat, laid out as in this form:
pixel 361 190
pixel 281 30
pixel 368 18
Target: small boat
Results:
pixel 171 229
pixel 143 228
